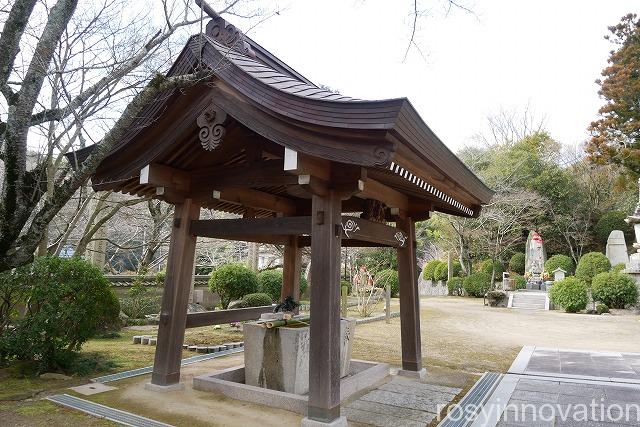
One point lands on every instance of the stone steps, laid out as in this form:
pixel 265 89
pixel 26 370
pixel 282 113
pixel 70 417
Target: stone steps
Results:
pixel 529 301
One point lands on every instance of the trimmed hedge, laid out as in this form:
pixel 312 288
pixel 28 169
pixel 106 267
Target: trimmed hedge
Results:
pixel 256 300
pixel 477 284
pixel 590 265
pixel 441 271
pixel 454 285
pixel 602 308
pixel 232 282
pixel 560 261
pixel 521 282
pixel 428 272
pixel 616 290
pixel 389 277
pixel 517 263
pixel 570 294
pixel 487 267
pixel 270 283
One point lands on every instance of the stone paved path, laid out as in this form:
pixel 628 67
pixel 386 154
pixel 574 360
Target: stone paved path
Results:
pixel 402 402
pixel 555 387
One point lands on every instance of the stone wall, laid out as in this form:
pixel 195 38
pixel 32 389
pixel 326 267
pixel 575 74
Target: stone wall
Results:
pixel 432 288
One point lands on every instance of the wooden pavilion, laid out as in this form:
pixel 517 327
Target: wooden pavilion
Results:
pixel 261 141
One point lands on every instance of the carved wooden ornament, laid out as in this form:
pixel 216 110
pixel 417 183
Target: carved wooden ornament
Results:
pixel 211 124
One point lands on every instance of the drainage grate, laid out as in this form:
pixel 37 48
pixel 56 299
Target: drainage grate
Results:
pixel 149 369
pixel 101 411
pixel 463 413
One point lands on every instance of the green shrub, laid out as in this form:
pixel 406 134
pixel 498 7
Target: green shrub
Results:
pixel 487 267
pixel 270 283
pixel 477 284
pixel 160 277
pixel 441 271
pixel 68 302
pixel 570 294
pixel 388 277
pixel 616 290
pixel 520 281
pixel 618 267
pixel 612 220
pixel 591 264
pixel 457 269
pixel 517 263
pixel 559 261
pixel 346 283
pixel 140 306
pixel 602 308
pixel 428 272
pixel 454 285
pixel 257 299
pixel 232 282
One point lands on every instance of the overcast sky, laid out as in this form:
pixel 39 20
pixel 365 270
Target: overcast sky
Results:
pixel 507 55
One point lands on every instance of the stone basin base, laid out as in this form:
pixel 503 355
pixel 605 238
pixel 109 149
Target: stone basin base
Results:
pixel 230 382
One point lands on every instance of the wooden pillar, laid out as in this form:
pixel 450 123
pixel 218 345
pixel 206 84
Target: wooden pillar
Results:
pixel 324 346
pixel 175 298
pixel 291 260
pixel 409 302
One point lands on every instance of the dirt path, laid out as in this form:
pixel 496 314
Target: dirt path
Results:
pixel 462 334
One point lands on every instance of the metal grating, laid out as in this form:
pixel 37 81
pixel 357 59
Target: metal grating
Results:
pixel 149 369
pixel 101 411
pixel 475 398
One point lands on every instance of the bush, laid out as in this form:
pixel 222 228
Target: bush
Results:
pixel 612 220
pixel 388 277
pixel 517 263
pixel 232 282
pixel 618 268
pixel 602 308
pixel 570 294
pixel 160 277
pixel 559 261
pixel 346 283
pixel 616 290
pixel 441 271
pixel 477 284
pixel 68 302
pixel 520 281
pixel 270 283
pixel 487 267
pixel 304 285
pixel 428 272
pixel 256 300
pixel 591 264
pixel 457 269
pixel 141 306
pixel 454 285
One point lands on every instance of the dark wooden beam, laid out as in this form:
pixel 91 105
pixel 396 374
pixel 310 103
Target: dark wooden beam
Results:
pixel 175 297
pixel 324 344
pixel 267 173
pixel 368 231
pixel 158 175
pixel 256 199
pixel 305 241
pixel 220 317
pixel 297 163
pixel 409 300
pixel 292 260
pixel 284 226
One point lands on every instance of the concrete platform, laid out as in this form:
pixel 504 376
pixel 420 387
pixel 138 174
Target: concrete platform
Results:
pixel 230 382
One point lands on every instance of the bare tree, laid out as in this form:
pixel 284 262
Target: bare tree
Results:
pixel 71 75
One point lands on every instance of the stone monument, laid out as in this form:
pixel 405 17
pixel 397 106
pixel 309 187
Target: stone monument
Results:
pixel 558 274
pixel 617 248
pixel 535 257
